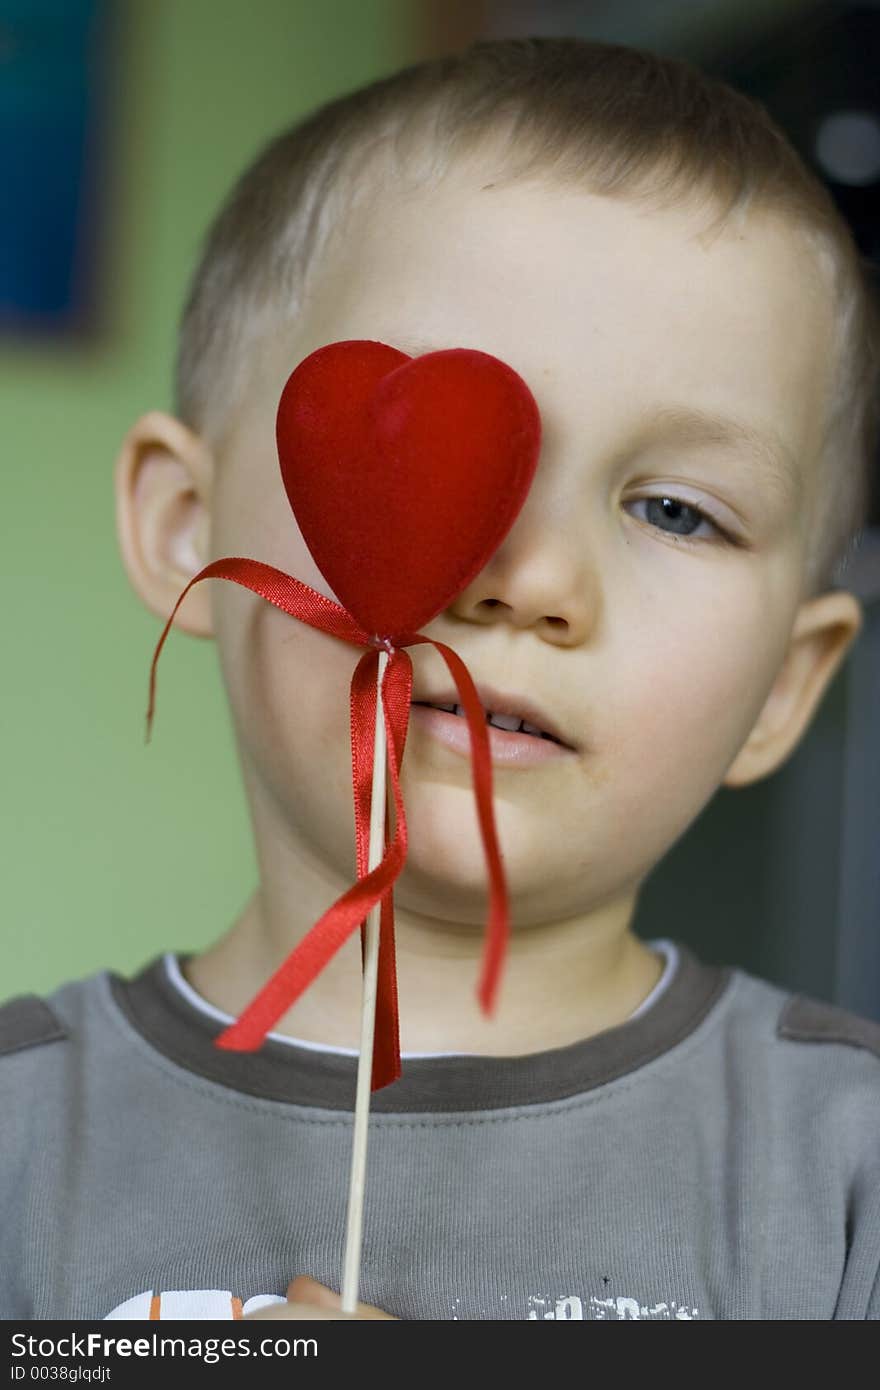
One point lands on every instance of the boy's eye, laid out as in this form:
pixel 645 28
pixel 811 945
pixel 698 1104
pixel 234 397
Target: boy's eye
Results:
pixel 677 518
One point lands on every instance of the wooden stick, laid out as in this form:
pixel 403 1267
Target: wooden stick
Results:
pixel 368 1018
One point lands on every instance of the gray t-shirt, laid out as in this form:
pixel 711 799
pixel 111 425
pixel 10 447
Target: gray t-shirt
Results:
pixel 717 1155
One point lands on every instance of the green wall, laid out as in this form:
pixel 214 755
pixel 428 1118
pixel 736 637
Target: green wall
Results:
pixel 112 850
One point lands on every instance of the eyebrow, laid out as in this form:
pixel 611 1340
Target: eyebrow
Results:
pixel 765 444
pixel 690 425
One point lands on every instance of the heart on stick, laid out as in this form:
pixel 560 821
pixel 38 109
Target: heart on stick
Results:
pixel 404 473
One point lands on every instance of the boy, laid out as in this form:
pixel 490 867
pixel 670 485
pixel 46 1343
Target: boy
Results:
pixel 634 1133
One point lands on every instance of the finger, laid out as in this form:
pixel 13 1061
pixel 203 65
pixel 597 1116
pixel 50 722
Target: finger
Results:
pixel 278 1312
pixel 305 1289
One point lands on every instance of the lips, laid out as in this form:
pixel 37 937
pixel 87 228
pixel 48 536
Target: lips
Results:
pixel 507 704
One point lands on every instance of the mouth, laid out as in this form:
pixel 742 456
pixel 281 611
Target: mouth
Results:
pixel 511 713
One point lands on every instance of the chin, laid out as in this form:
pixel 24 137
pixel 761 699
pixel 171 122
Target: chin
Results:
pixel 446 858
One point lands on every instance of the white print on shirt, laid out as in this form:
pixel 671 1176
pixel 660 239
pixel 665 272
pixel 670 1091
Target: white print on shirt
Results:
pixel 571 1308
pixel 213 1305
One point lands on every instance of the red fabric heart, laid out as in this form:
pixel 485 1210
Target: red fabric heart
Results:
pixel 404 473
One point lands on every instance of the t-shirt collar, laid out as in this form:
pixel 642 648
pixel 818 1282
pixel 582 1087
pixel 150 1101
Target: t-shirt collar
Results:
pixel 298 1075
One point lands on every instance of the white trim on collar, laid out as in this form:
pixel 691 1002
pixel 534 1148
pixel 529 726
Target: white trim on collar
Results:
pixel 183 986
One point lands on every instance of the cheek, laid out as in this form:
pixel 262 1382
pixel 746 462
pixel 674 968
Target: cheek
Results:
pixel 688 693
pixel 288 689
pixel 253 518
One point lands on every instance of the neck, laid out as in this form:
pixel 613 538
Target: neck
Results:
pixel 563 981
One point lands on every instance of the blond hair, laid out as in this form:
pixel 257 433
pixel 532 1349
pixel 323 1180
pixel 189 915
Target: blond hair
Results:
pixel 615 120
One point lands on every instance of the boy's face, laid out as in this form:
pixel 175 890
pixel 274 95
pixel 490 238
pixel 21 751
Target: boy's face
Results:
pixel 673 663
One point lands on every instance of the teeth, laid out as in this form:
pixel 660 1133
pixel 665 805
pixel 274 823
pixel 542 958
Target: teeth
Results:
pixel 510 722
pixel 504 721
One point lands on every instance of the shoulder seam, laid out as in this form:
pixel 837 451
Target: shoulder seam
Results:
pixel 803 1019
pixel 27 1021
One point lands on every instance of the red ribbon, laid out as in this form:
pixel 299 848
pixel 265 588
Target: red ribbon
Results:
pixel 309 957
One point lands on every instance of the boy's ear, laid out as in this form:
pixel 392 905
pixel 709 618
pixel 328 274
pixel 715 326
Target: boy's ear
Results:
pixel 823 632
pixel 163 480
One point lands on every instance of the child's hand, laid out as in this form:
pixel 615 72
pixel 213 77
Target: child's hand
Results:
pixel 306 1298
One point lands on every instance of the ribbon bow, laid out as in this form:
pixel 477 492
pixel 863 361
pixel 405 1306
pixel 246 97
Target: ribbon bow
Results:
pixel 309 957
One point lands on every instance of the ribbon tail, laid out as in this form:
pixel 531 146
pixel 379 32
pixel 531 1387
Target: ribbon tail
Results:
pixel 386 1065
pixel 321 942
pixel 396 703
pixel 386 1046
pixel 481 761
pixel 310 956
pixel 285 592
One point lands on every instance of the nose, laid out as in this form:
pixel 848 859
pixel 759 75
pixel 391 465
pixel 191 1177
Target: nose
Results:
pixel 549 593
